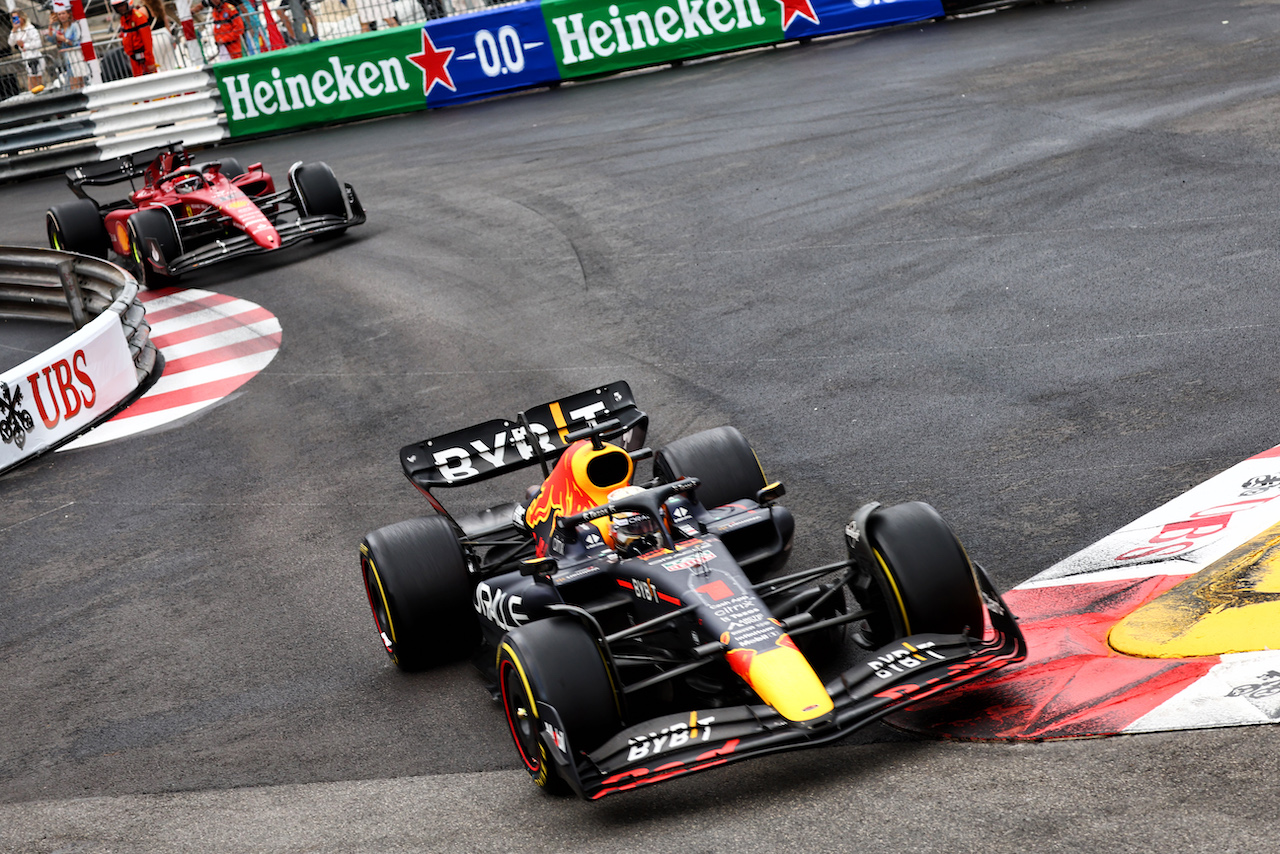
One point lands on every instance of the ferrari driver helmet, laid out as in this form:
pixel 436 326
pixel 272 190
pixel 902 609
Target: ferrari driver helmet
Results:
pixel 632 532
pixel 188 184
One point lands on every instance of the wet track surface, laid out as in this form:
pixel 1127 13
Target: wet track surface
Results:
pixel 1018 265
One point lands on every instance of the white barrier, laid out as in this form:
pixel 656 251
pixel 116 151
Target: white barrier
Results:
pixel 44 136
pixel 63 392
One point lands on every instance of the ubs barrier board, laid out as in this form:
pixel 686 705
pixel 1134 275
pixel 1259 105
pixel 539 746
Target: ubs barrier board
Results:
pixel 480 54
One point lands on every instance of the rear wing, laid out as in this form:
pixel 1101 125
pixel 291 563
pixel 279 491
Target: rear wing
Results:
pixel 537 436
pixel 127 167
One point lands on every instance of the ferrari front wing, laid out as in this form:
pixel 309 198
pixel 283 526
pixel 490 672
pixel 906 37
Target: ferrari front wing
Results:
pixel 290 233
pixel 897 675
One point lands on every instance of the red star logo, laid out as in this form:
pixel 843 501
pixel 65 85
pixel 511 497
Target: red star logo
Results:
pixel 792 9
pixel 435 64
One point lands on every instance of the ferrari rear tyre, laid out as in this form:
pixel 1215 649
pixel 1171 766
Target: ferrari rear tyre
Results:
pixel 157 224
pixel 320 193
pixel 555 664
pixel 77 227
pixel 721 458
pixel 922 581
pixel 415 575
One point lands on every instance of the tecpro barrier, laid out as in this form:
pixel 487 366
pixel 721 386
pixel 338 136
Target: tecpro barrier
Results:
pixel 480 54
pixel 59 394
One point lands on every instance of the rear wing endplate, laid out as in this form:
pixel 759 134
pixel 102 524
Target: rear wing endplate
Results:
pixel 537 435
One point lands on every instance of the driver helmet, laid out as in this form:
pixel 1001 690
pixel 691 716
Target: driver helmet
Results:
pixel 188 184
pixel 632 532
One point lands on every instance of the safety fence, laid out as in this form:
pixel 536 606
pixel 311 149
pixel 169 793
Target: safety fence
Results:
pixel 264 26
pixel 59 394
pixel 466 55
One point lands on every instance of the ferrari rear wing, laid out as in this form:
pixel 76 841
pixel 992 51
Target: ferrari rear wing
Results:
pixel 127 167
pixel 537 436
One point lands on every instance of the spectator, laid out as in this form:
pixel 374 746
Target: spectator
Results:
pixel 161 35
pixel 135 36
pixel 228 27
pixel 64 34
pixel 295 29
pixel 368 11
pixel 26 38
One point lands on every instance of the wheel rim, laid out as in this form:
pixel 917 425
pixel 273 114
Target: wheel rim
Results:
pixel 378 604
pixel 521 716
pixel 137 255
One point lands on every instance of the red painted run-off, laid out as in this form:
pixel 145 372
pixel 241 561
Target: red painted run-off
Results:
pixel 212 343
pixel 1072 684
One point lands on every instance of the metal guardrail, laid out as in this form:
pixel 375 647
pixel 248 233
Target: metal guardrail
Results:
pixel 41 284
pixel 49 134
pixel 85 379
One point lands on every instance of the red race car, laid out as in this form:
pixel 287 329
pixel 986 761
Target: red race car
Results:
pixel 184 216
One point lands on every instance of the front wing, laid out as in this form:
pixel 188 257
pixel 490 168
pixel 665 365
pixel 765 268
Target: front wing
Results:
pixel 290 233
pixel 900 674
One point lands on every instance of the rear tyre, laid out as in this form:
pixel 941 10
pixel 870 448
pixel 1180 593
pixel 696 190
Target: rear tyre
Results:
pixel 922 581
pixel 77 227
pixel 320 193
pixel 721 458
pixel 555 663
pixel 420 592
pixel 157 224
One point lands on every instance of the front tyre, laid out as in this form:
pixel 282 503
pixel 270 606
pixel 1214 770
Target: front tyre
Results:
pixel 77 227
pixel 158 224
pixel 554 663
pixel 721 458
pixel 921 580
pixel 319 192
pixel 415 575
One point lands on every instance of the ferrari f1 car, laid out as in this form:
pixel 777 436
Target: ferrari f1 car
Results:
pixel 635 630
pixel 179 216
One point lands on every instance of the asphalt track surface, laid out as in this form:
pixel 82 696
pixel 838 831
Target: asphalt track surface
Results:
pixel 1019 265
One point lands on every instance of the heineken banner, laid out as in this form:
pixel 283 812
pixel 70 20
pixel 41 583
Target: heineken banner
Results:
pixel 475 55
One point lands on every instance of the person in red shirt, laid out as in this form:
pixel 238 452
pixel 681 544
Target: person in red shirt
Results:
pixel 135 36
pixel 228 27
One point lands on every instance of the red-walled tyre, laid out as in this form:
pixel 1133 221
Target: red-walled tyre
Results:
pixel 555 662
pixel 420 592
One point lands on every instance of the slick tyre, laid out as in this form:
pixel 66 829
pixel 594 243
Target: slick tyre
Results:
pixel 320 193
pixel 721 458
pixel 555 664
pixel 158 224
pixel 77 227
pixel 415 575
pixel 922 581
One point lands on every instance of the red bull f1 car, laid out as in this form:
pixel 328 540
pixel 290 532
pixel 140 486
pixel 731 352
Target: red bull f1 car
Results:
pixel 638 629
pixel 179 216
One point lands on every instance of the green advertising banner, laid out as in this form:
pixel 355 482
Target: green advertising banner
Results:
pixel 481 53
pixel 367 75
pixel 589 37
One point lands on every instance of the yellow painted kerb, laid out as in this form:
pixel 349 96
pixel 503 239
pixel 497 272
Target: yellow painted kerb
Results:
pixel 1232 605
